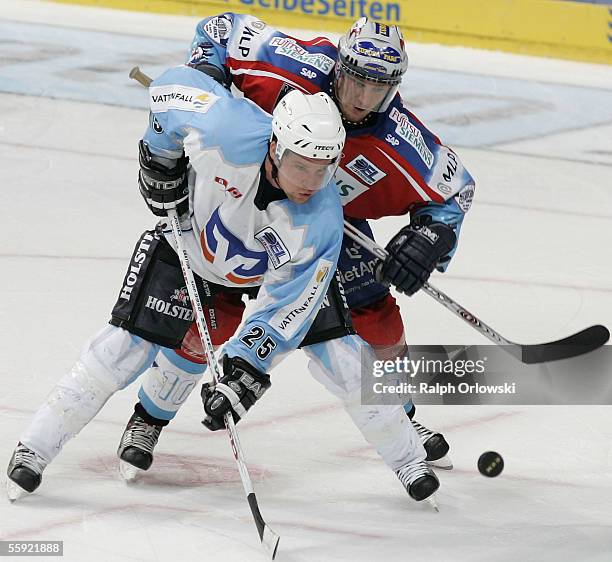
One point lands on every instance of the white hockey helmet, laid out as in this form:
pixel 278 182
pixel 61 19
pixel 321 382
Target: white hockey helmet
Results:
pixel 309 126
pixel 373 52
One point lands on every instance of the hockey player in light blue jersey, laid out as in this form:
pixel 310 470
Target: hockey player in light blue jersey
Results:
pixel 335 362
pixel 259 210
pixel 259 215
pixel 392 164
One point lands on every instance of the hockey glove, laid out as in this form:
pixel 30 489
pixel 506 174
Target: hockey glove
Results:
pixel 163 187
pixel 414 253
pixel 219 75
pixel 238 389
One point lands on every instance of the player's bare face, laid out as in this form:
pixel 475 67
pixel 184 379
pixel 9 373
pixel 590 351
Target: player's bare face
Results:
pixel 358 97
pixel 300 177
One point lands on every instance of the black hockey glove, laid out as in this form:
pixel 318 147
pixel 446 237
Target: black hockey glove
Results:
pixel 219 75
pixel 163 187
pixel 238 389
pixel 414 253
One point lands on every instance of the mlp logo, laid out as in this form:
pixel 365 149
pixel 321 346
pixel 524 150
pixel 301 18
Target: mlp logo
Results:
pixel 228 253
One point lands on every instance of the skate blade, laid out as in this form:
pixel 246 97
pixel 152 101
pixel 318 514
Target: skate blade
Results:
pixel 444 463
pixel 129 473
pixel 14 491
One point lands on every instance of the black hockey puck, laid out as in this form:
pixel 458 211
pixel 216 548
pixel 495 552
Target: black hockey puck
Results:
pixel 490 464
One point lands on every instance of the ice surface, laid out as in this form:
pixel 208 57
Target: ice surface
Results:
pixel 534 262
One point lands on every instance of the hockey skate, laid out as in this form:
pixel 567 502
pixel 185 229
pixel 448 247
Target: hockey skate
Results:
pixel 136 447
pixel 420 482
pixel 24 472
pixel 435 445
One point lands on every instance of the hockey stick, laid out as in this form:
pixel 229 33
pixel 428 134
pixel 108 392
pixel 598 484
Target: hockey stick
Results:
pixel 581 342
pixel 269 539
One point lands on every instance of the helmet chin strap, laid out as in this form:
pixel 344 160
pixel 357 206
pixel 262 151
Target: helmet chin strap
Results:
pixel 274 170
pixel 347 122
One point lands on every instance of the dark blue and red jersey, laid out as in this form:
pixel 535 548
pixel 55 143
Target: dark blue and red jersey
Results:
pixel 392 166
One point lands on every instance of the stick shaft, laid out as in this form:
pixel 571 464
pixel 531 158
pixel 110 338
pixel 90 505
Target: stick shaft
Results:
pixel 207 343
pixel 436 294
pixel 268 537
pixel 139 76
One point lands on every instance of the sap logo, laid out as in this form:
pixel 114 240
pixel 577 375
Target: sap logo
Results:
pixel 272 243
pixel 310 74
pixel 365 170
pixel 391 140
pixel 228 253
pixel 231 190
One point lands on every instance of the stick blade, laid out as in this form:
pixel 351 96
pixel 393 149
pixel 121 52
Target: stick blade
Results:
pixel 269 539
pixel 270 542
pixel 577 344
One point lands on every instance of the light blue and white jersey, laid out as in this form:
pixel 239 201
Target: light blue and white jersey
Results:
pixel 290 249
